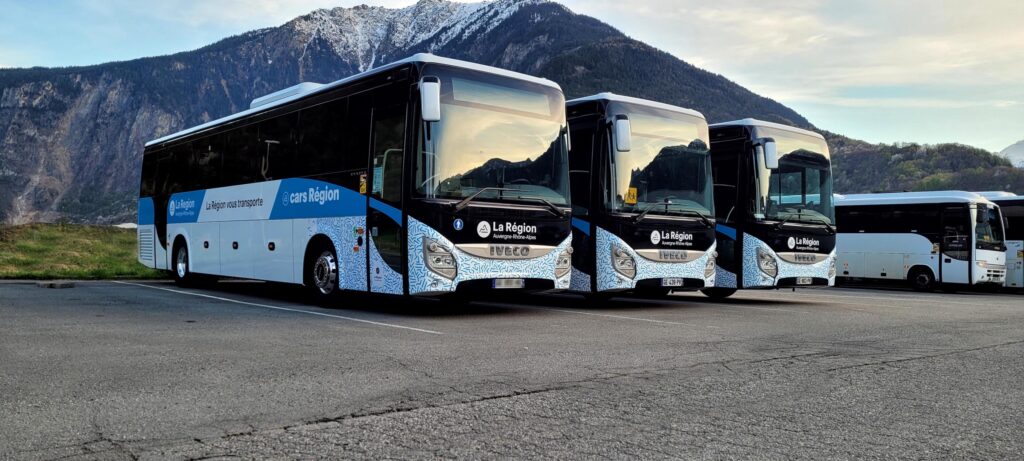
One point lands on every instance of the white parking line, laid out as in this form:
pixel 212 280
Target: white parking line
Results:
pixel 279 308
pixel 613 316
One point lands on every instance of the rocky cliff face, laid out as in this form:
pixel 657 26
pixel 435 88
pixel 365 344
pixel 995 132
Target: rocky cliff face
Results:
pixel 71 138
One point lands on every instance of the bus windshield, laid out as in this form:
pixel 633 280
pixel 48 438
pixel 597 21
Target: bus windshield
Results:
pixel 800 190
pixel 667 170
pixel 498 139
pixel 988 228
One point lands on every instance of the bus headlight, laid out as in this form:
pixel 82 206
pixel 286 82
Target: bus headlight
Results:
pixel 832 267
pixel 709 268
pixel 766 262
pixel 564 263
pixel 440 260
pixel 623 262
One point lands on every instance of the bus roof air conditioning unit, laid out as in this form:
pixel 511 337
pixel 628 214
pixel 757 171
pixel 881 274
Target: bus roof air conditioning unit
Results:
pixel 296 90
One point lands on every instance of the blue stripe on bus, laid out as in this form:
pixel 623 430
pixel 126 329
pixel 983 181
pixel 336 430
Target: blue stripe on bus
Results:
pixel 394 213
pixel 582 225
pixel 147 215
pixel 308 198
pixel 726 231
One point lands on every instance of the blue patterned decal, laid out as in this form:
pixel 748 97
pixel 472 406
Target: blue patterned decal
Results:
pixel 754 278
pixel 383 279
pixel 610 280
pixel 423 281
pixel 147 214
pixel 307 198
pixel 345 233
pixel 582 225
pixel 394 213
pixel 580 281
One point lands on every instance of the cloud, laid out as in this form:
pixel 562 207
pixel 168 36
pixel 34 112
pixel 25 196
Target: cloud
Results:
pixel 912 55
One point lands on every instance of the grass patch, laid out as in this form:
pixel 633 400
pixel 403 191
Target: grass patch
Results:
pixel 70 251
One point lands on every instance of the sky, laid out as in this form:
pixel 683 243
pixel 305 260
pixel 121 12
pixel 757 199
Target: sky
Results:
pixel 926 71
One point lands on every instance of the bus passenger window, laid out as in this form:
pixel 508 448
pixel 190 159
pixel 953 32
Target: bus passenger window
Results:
pixel 388 150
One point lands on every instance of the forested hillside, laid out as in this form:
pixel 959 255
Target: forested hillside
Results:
pixel 861 167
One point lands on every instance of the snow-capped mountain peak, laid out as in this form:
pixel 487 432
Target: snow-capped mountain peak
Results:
pixel 1015 154
pixel 367 35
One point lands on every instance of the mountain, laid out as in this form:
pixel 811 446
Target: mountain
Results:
pixel 71 138
pixel 1015 154
pixel 861 167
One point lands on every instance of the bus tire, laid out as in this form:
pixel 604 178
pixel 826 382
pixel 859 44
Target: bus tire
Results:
pixel 718 293
pixel 183 276
pixel 321 271
pixel 921 279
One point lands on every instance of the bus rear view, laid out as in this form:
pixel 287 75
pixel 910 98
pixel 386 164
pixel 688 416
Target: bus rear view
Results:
pixel 643 215
pixel 774 209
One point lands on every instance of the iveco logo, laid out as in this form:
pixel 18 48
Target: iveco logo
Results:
pixel 672 255
pixel 804 258
pixel 509 251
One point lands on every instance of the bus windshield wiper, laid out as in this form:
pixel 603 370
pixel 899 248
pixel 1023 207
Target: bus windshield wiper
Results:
pixel 698 214
pixel 554 209
pixel 649 208
pixel 832 230
pixel 465 202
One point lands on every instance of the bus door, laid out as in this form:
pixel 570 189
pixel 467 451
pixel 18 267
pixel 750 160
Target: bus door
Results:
pixel 384 215
pixel 955 254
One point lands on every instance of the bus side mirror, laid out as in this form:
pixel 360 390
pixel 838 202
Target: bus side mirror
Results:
pixel 623 134
pixel 430 99
pixel 767 148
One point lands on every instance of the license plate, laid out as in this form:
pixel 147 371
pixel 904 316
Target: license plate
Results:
pixel 504 284
pixel 804 280
pixel 672 282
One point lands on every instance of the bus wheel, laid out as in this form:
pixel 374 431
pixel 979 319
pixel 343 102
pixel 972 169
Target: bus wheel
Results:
pixel 182 276
pixel 718 293
pixel 322 274
pixel 921 279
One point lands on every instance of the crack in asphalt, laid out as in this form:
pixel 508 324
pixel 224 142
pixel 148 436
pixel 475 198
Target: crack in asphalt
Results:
pixel 929 356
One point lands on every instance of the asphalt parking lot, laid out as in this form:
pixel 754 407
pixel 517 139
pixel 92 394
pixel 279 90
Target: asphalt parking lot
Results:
pixel 126 371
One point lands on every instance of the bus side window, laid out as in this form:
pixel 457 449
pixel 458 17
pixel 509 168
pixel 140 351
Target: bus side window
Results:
pixel 241 153
pixel 388 152
pixel 725 171
pixel 579 167
pixel 277 147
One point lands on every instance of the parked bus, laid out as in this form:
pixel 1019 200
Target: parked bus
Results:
pixel 773 204
pixel 424 176
pixel 643 213
pixel 1012 207
pixel 929 239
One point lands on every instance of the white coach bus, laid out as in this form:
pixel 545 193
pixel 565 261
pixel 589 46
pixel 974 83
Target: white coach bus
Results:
pixel 424 176
pixel 1012 207
pixel 929 239
pixel 643 211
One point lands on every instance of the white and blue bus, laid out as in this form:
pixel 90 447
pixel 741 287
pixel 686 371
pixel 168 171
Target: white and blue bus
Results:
pixel 928 239
pixel 643 213
pixel 422 177
pixel 1012 207
pixel 773 204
